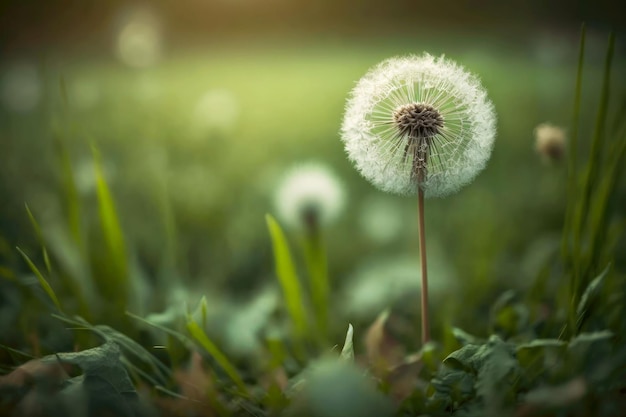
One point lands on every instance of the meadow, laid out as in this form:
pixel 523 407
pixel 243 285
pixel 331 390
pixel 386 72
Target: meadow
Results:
pixel 145 247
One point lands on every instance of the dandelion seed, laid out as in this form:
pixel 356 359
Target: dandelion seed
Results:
pixel 550 142
pixel 419 121
pixel 310 193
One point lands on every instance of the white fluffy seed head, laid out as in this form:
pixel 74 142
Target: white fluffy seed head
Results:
pixel 309 192
pixel 387 153
pixel 550 142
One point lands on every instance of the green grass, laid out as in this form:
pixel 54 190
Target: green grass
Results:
pixel 166 202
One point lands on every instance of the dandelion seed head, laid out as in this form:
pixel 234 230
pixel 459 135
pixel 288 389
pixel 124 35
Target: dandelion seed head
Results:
pixel 550 142
pixel 309 191
pixel 419 121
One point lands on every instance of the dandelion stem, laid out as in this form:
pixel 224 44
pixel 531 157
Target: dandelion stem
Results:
pixel 422 239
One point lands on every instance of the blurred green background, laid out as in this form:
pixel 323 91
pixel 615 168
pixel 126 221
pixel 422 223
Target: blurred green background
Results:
pixel 198 109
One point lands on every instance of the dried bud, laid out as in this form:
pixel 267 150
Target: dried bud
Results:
pixel 550 142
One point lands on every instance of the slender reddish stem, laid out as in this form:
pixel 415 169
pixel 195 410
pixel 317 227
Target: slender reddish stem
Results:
pixel 422 239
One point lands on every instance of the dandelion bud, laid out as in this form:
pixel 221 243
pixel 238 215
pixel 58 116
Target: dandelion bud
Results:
pixel 419 122
pixel 309 196
pixel 550 142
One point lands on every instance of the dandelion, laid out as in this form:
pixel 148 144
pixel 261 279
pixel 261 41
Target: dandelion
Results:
pixel 310 198
pixel 550 142
pixel 419 125
pixel 139 42
pixel 419 122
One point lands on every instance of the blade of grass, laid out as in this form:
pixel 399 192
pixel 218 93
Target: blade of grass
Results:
pixel 42 281
pixel 567 239
pixel 40 238
pixel 594 166
pixel 75 289
pixel 288 278
pixel 71 197
pixel 118 285
pixel 317 266
pixel 572 160
pixel 200 336
pixel 178 335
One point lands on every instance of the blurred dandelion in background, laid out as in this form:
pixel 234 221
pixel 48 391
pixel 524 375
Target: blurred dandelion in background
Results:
pixel 550 142
pixel 216 112
pixel 309 194
pixel 139 38
pixel 20 87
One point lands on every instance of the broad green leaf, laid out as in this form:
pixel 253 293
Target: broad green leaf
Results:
pixel 496 376
pixel 461 359
pixel 288 278
pixel 104 382
pixel 455 385
pixel 42 281
pixel 101 362
pixel 200 336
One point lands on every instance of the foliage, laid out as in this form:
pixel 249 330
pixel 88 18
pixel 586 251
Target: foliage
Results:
pixel 73 348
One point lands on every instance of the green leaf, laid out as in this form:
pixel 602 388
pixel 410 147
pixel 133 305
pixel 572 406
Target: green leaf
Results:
pixel 42 281
pixel 288 278
pixel 128 345
pixel 40 238
pixel 71 196
pixel 104 382
pixel 462 359
pixel 102 362
pixel 590 297
pixel 317 267
pixel 454 385
pixel 347 353
pixel 117 287
pixel 200 336
pixel 572 159
pixel 509 316
pixel 465 338
pixel 496 378
pixel 587 339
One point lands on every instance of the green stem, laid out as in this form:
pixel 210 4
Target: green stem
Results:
pixel 424 292
pixel 317 265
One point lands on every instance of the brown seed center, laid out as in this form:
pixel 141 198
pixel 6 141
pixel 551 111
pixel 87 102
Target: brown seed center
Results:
pixel 418 120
